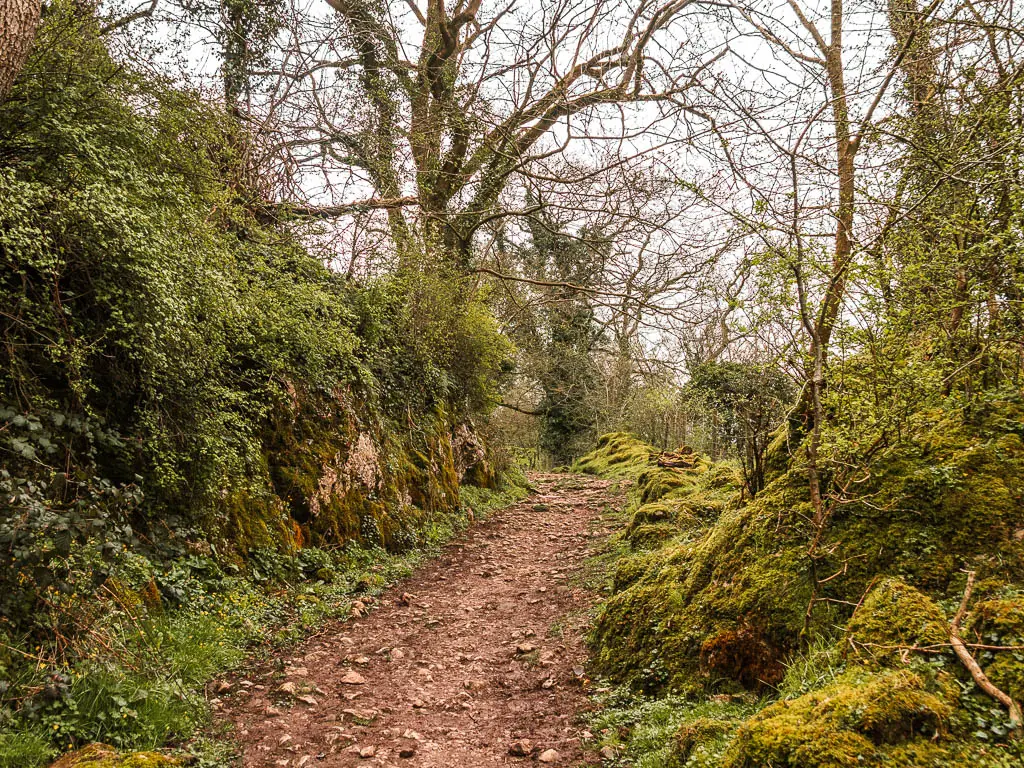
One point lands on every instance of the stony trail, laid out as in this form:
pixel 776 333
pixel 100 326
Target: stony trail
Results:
pixel 475 660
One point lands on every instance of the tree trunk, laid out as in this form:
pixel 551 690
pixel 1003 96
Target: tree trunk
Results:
pixel 18 22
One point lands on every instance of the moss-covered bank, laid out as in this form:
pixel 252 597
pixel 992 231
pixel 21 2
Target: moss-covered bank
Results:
pixel 719 597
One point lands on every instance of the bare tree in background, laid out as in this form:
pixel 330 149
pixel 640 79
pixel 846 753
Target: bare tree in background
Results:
pixel 431 111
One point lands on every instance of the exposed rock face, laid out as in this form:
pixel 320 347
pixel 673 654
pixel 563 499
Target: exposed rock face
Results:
pixel 363 464
pixel 337 471
pixel 467 448
pixel 361 468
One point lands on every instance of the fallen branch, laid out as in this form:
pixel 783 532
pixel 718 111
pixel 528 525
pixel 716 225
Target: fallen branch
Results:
pixel 684 458
pixel 517 409
pixel 980 678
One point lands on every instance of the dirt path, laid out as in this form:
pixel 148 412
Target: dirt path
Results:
pixel 477 653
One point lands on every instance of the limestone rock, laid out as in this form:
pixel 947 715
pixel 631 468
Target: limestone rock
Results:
pixel 521 748
pixel 353 678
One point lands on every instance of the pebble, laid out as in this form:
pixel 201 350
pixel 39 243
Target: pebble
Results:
pixel 521 748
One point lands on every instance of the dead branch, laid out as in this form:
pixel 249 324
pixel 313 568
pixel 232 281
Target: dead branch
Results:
pixel 972 666
pixel 343 209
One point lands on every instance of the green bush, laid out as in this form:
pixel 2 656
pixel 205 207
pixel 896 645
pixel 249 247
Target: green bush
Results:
pixel 195 412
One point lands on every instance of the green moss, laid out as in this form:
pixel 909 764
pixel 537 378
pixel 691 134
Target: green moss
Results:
pixel 252 522
pixel 721 605
pixel 667 732
pixel 893 618
pixel 630 569
pixel 947 498
pixel 651 535
pixel 780 449
pixel 617 454
pixel 853 722
pixel 734 583
pixel 656 482
pixel 723 608
pixel 104 756
pixel 1000 622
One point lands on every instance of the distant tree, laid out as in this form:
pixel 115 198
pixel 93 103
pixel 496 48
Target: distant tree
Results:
pixel 436 106
pixel 745 403
pixel 568 334
pixel 244 32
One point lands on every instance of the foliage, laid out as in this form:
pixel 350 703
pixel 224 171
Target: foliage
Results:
pixel 209 440
pixel 745 403
pixel 558 335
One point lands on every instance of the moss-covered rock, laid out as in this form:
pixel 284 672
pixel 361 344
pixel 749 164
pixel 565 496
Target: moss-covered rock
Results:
pixel 734 584
pixel 723 608
pixel 856 721
pixel 335 473
pixel 894 618
pixel 104 756
pixel 723 603
pixel 949 496
pixel 617 454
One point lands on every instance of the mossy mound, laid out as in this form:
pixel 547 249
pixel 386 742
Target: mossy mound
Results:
pixel 894 618
pixel 723 608
pixel 949 497
pixel 859 720
pixel 657 482
pixel 104 756
pixel 617 454
pixel 680 501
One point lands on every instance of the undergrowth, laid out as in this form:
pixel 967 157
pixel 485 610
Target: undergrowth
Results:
pixel 704 647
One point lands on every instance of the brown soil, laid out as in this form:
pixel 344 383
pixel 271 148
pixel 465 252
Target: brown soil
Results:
pixel 478 650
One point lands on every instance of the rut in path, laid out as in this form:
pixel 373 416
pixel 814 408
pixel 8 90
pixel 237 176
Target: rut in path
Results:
pixel 487 652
